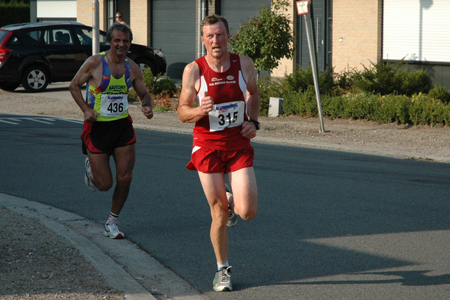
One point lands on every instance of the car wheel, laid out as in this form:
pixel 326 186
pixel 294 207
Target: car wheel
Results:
pixel 143 63
pixel 8 86
pixel 35 79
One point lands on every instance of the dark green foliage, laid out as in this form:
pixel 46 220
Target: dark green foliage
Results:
pixel 415 82
pixel 380 79
pixel 265 38
pixel 13 12
pixel 344 81
pixel 439 93
pixel 386 78
pixel 425 110
pixel 301 79
pixel 163 91
pixel 385 93
pixel 166 87
pixel 301 103
pixel 159 86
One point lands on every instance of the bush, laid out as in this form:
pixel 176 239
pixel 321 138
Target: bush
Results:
pixel 425 110
pixel 157 85
pixel 392 109
pixel 162 90
pixel 390 78
pixel 420 109
pixel 165 87
pixel 414 82
pixel 343 82
pixel 381 78
pixel 299 103
pixel 301 79
pixel 385 93
pixel 439 93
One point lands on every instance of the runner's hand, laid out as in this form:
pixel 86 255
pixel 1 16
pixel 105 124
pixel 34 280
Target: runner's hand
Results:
pixel 90 115
pixel 207 104
pixel 248 130
pixel 148 111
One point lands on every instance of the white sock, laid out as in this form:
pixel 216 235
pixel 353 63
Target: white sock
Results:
pixel 220 266
pixel 113 218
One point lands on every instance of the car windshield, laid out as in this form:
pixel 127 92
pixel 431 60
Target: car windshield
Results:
pixel 85 36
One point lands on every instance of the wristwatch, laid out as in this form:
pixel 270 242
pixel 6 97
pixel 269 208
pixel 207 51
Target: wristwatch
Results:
pixel 257 124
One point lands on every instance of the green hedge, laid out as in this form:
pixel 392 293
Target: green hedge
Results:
pixel 418 109
pixel 14 12
pixel 384 92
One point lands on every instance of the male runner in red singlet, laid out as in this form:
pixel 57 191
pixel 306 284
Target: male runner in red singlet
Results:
pixel 107 128
pixel 224 88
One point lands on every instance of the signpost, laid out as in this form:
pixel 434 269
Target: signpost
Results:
pixel 303 9
pixel 95 28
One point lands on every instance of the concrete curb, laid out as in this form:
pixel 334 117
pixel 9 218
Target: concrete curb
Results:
pixel 116 260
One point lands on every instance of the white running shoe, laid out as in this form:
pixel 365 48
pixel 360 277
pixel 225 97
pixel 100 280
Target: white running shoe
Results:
pixel 112 231
pixel 87 176
pixel 232 217
pixel 222 280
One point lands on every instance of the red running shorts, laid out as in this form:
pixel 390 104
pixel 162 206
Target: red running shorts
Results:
pixel 216 161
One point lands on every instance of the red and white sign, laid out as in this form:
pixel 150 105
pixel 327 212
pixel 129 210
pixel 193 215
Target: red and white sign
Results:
pixel 302 7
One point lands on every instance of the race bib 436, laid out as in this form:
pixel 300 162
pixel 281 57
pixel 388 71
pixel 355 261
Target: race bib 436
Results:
pixel 113 105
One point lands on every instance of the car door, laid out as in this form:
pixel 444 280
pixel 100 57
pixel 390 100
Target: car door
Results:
pixel 64 55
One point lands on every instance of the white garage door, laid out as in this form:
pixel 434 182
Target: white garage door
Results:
pixel 56 9
pixel 416 30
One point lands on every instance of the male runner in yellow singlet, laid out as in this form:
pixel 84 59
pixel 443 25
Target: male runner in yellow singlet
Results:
pixel 107 128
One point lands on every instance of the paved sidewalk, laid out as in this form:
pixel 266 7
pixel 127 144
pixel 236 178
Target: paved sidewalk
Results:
pixel 122 270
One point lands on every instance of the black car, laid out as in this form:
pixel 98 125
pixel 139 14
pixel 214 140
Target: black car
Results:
pixel 36 54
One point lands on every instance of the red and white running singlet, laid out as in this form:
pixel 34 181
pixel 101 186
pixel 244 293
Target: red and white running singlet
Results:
pixel 220 129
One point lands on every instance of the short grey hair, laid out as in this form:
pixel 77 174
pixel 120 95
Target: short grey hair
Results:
pixel 119 27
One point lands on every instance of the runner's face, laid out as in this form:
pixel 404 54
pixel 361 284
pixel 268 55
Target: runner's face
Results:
pixel 120 42
pixel 215 39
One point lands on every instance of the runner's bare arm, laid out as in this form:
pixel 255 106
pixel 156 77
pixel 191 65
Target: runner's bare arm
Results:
pixel 141 90
pixel 186 110
pixel 84 74
pixel 248 69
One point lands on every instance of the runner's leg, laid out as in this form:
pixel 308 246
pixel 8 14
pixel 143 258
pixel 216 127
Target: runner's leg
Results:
pixel 101 171
pixel 214 189
pixel 124 158
pixel 245 192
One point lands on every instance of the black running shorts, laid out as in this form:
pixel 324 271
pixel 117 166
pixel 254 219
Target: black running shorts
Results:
pixel 104 137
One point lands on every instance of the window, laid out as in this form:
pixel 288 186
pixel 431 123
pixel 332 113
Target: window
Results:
pixel 111 12
pixel 85 36
pixel 14 41
pixel 33 37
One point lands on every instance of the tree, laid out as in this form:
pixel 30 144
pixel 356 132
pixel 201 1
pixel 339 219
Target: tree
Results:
pixel 266 38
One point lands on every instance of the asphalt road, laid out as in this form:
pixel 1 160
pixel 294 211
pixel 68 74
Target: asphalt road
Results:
pixel 330 225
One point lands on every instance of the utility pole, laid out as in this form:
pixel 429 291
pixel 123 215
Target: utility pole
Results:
pixel 95 28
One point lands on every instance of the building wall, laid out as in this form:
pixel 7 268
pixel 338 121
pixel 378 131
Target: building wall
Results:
pixel 140 16
pixel 286 66
pixel 357 33
pixel 85 12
